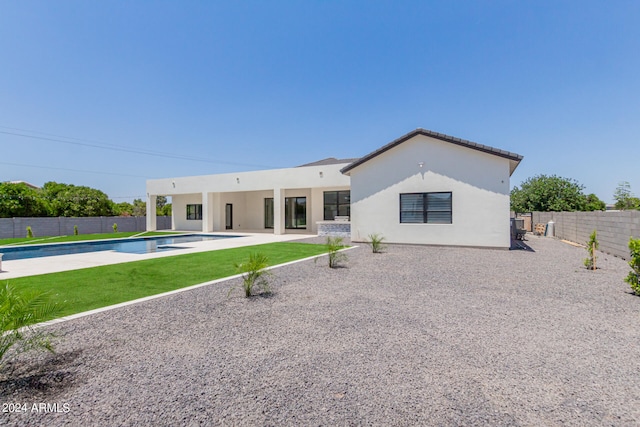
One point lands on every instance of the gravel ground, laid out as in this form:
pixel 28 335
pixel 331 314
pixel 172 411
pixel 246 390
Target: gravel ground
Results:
pixel 413 336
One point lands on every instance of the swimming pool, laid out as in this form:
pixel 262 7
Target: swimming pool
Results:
pixel 142 245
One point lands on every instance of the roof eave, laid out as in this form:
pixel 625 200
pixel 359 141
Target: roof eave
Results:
pixel 512 157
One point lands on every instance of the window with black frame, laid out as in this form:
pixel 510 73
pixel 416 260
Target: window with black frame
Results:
pixel 337 203
pixel 194 212
pixel 426 208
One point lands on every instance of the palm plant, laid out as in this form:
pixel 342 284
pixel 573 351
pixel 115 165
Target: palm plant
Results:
pixel 334 245
pixel 592 245
pixel 375 240
pixel 254 274
pixel 18 313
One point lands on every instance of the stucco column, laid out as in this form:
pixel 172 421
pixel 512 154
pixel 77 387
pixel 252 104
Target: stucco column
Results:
pixel 278 211
pixel 207 212
pixel 151 212
pixel 216 211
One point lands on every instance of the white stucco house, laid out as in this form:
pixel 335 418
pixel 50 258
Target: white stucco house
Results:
pixel 422 188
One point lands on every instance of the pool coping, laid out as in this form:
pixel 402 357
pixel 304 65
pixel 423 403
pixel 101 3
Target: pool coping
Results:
pixel 97 242
pixel 54 264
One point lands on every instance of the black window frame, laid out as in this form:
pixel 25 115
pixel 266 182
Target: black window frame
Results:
pixel 337 204
pixel 425 209
pixel 291 221
pixel 194 212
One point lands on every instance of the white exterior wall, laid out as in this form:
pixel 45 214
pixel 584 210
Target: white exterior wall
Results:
pixel 247 191
pixel 179 207
pixel 254 203
pixel 479 183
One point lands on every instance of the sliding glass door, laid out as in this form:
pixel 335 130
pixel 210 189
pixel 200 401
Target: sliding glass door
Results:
pixel 295 212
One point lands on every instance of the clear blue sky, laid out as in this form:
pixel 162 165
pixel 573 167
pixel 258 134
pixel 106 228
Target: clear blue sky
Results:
pixel 249 85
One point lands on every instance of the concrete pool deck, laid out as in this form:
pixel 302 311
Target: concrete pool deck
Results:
pixel 53 264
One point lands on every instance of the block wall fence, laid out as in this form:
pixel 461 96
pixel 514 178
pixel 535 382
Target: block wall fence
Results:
pixel 614 228
pixel 62 226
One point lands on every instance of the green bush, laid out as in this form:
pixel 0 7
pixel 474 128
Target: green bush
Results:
pixel 17 315
pixel 115 227
pixel 75 230
pixel 633 278
pixel 254 274
pixel 375 241
pixel 334 245
pixel 29 232
pixel 592 245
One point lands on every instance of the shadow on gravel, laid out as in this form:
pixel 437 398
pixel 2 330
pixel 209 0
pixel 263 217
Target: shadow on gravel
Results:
pixel 519 245
pixel 55 374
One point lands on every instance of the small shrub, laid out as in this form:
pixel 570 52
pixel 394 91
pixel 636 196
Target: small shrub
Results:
pixel 375 241
pixel 592 245
pixel 115 227
pixel 75 230
pixel 18 313
pixel 254 274
pixel 633 278
pixel 29 232
pixel 334 245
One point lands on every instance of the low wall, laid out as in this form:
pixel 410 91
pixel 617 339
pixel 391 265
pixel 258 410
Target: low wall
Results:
pixel 614 228
pixel 62 226
pixel 334 228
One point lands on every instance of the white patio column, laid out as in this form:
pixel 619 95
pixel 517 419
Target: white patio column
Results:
pixel 278 211
pixel 207 212
pixel 216 211
pixel 151 212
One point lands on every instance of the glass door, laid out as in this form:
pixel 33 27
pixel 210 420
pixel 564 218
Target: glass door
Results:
pixel 228 216
pixel 268 213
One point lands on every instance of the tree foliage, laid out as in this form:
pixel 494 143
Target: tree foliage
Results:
pixel 69 200
pixel 625 200
pixel 633 278
pixel 20 200
pixel 139 207
pixel 544 193
pixel 54 199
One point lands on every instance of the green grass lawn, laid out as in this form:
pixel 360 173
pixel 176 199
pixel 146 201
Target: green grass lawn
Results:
pixel 79 237
pixel 91 288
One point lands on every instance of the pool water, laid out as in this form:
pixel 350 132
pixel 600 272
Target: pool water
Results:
pixel 143 245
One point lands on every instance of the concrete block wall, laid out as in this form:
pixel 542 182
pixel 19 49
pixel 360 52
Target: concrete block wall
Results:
pixel 614 228
pixel 62 226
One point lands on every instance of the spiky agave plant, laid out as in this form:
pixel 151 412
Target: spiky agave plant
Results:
pixel 18 313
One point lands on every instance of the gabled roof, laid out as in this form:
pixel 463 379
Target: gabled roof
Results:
pixel 513 157
pixel 328 161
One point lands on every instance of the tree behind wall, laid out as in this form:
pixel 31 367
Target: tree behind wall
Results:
pixel 139 207
pixel 544 193
pixel 625 200
pixel 76 201
pixel 20 200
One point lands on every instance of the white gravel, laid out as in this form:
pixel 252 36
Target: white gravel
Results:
pixel 413 336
